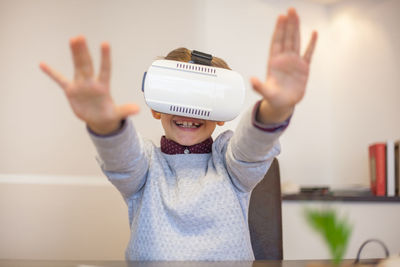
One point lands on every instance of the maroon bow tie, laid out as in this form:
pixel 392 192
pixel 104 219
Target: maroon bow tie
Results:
pixel 171 148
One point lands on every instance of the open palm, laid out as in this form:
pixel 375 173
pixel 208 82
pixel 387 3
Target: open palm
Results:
pixel 288 71
pixel 89 95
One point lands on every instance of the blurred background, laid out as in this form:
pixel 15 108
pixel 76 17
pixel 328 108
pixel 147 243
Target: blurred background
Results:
pixel 352 99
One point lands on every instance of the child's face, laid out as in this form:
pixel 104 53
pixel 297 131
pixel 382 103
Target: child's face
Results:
pixel 186 131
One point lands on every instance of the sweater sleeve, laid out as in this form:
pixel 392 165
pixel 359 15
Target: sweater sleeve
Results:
pixel 251 150
pixel 122 158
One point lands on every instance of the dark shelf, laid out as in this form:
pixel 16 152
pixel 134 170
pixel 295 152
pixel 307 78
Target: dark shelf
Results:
pixel 362 198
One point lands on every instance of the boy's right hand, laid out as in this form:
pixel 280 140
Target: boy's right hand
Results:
pixel 88 95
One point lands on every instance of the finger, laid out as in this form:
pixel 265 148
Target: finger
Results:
pixel 277 39
pixel 310 48
pixel 81 57
pixel 292 28
pixel 297 34
pixel 57 77
pixel 128 110
pixel 105 66
pixel 259 87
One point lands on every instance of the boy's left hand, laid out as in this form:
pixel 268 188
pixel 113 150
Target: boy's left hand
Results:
pixel 287 71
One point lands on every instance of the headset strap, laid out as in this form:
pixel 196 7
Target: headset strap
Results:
pixel 201 58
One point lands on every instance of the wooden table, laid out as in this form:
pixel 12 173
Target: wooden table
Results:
pixel 269 263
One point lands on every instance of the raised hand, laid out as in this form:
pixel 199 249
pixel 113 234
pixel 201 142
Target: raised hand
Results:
pixel 287 73
pixel 89 95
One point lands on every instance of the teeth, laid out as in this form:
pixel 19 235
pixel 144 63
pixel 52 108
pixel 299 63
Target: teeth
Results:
pixel 187 124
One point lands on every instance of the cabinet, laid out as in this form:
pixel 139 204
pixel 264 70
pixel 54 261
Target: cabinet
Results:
pixel 371 217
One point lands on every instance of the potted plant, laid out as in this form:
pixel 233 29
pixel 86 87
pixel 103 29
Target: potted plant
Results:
pixel 335 232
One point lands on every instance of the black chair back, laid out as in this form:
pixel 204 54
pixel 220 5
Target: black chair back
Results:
pixel 265 216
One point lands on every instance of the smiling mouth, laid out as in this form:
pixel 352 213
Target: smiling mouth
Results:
pixel 188 124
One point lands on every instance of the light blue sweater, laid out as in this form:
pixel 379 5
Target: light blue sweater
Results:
pixel 188 206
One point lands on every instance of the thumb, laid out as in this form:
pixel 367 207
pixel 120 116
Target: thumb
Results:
pixel 128 110
pixel 259 87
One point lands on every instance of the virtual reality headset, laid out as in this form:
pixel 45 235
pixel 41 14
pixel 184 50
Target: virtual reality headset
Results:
pixel 194 89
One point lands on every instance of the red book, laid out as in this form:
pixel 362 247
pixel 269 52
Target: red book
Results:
pixel 377 164
pixel 397 166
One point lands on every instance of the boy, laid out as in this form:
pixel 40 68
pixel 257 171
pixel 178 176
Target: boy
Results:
pixel 188 200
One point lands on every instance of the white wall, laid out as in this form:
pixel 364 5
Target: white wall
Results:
pixel 39 133
pixel 61 218
pixel 353 91
pixel 365 82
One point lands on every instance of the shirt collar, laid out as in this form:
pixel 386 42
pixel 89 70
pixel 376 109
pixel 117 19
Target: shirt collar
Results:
pixel 172 148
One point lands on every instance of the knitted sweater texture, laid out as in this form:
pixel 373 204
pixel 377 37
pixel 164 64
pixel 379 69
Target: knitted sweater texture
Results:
pixel 188 206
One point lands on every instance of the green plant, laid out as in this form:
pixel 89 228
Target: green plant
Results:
pixel 335 231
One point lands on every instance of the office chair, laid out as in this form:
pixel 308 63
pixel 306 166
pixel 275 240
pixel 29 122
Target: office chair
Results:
pixel 265 216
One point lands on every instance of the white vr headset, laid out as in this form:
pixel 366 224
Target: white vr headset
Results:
pixel 195 90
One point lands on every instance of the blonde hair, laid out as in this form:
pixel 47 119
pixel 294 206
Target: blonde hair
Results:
pixel 185 55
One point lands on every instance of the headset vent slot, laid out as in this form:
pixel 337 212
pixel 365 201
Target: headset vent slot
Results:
pixel 192 67
pixel 187 110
